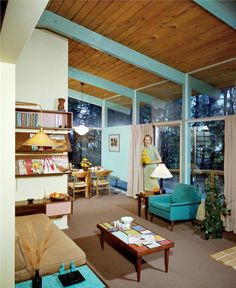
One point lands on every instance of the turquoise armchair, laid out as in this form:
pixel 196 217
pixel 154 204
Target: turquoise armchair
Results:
pixel 182 204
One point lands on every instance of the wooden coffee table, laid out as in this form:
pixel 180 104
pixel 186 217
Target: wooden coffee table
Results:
pixel 120 238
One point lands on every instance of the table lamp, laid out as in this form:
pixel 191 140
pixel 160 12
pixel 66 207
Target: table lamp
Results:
pixel 161 172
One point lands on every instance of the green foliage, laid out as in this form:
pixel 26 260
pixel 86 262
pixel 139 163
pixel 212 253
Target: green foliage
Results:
pixel 215 207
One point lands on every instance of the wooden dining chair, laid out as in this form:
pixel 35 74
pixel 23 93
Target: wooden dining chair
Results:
pixel 79 183
pixel 102 181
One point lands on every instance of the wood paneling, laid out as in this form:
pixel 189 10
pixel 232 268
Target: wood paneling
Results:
pixel 166 91
pixel 123 101
pixel 180 34
pixel 221 76
pixel 89 89
pixel 95 62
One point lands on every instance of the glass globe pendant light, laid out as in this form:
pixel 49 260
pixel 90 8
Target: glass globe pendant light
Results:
pixel 82 129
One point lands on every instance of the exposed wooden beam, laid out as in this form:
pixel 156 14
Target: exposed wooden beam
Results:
pixel 79 33
pixel 110 86
pixel 204 88
pixel 224 10
pixel 96 101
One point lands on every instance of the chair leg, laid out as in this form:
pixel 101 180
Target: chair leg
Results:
pixel 172 226
pixel 151 217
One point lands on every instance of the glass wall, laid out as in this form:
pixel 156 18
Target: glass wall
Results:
pixel 119 111
pixel 85 113
pixel 207 153
pixel 167 139
pixel 116 118
pixel 89 145
pixel 205 106
pixel 166 103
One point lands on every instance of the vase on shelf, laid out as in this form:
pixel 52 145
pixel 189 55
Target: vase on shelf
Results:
pixel 37 280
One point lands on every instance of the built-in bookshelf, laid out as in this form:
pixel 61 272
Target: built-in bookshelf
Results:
pixel 33 161
pixel 41 165
pixel 31 119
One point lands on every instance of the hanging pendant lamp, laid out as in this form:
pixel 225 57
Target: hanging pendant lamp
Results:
pixel 82 129
pixel 40 139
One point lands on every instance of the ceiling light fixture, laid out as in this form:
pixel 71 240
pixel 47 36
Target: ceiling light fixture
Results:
pixel 82 129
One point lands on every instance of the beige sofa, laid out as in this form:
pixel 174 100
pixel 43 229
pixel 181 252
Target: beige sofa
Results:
pixel 59 248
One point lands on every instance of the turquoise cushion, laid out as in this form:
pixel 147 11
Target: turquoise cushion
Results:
pixel 161 206
pixel 183 193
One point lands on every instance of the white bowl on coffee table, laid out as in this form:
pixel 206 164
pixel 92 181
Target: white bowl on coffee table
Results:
pixel 127 221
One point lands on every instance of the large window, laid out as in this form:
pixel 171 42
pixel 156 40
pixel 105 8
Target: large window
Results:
pixel 116 118
pixel 167 140
pixel 85 113
pixel 89 145
pixel 205 106
pixel 145 113
pixel 207 154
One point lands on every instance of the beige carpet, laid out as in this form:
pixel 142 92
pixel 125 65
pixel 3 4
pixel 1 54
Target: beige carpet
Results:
pixel 226 257
pixel 190 265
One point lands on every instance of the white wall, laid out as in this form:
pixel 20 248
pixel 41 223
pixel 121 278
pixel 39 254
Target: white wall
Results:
pixel 117 161
pixel 42 78
pixel 7 175
pixel 42 70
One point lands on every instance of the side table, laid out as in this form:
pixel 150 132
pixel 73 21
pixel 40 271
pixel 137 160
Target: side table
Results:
pixel 52 281
pixel 144 196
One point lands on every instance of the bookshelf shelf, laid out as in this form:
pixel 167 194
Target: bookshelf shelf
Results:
pixel 51 161
pixel 30 119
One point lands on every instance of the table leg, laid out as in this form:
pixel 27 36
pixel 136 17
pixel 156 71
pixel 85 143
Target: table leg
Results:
pixel 167 252
pixel 146 208
pixel 139 205
pixel 102 239
pixel 138 267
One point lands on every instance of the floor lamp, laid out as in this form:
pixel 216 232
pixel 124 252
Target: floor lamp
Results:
pixel 161 172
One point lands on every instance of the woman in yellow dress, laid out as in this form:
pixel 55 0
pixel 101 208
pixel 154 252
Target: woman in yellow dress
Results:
pixel 149 159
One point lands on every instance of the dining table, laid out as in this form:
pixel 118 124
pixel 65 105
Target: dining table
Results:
pixel 91 175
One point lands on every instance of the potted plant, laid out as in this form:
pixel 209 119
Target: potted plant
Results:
pixel 215 208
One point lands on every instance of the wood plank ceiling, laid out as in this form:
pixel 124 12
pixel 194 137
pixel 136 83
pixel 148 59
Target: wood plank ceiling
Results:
pixel 182 35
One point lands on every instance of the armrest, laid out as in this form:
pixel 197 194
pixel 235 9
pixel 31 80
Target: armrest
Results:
pixel 183 203
pixel 159 198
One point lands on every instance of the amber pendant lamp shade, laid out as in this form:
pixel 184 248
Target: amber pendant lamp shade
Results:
pixel 40 139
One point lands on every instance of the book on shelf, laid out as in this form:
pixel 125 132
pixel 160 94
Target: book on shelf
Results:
pixel 42 165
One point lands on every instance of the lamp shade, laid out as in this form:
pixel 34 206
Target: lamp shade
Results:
pixel 41 139
pixel 161 172
pixel 81 130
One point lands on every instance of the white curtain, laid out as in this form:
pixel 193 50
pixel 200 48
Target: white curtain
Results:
pixel 135 176
pixel 230 171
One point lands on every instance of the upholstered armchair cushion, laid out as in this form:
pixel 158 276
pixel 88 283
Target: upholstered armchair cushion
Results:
pixel 182 204
pixel 183 193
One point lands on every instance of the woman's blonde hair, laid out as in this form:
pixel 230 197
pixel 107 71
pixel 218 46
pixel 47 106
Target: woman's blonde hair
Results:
pixel 146 137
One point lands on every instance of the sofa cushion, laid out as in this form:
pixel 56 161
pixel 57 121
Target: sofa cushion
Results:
pixel 59 248
pixel 20 263
pixel 161 206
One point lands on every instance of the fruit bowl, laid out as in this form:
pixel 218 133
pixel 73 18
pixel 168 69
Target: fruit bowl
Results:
pixel 58 196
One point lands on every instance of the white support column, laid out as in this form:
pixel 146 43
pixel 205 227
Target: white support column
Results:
pixel 135 109
pixel 185 157
pixel 7 175
pixel 104 114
